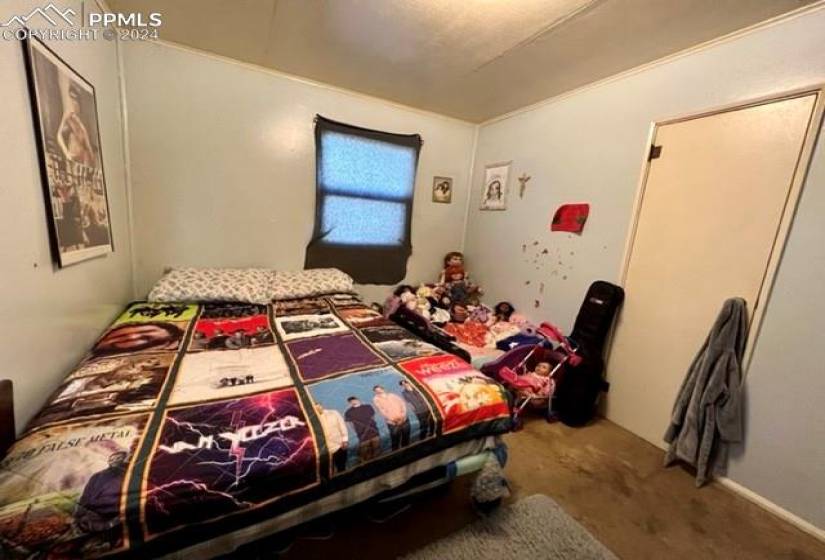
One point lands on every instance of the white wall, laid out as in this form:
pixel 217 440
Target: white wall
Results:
pixel 588 147
pixel 223 164
pixel 50 317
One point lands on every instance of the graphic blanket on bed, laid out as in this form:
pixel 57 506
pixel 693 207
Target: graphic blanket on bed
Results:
pixel 189 420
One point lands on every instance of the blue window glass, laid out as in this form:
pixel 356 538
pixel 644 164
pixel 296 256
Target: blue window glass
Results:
pixel 365 167
pixel 366 185
pixel 351 220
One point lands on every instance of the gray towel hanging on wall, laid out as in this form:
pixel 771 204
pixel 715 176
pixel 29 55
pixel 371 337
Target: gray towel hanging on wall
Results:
pixel 707 414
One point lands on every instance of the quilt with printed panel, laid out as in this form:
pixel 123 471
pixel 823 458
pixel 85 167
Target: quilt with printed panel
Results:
pixel 186 420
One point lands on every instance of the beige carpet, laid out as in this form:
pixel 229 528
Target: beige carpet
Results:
pixel 535 527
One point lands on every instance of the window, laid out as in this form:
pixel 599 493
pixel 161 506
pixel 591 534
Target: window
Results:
pixel 364 192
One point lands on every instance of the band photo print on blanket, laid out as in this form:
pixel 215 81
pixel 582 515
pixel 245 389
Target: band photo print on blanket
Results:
pixel 125 384
pixel 234 455
pixel 64 484
pixel 369 414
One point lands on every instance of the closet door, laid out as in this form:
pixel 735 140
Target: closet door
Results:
pixel 710 220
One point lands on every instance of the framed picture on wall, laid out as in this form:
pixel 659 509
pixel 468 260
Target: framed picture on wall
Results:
pixel 64 108
pixel 494 196
pixel 443 189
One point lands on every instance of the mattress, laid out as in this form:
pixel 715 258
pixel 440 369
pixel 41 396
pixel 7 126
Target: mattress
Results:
pixel 193 419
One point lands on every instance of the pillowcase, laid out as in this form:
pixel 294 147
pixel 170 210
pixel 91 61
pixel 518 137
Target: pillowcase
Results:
pixel 308 283
pixel 248 285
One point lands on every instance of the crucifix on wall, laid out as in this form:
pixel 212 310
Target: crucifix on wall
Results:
pixel 523 184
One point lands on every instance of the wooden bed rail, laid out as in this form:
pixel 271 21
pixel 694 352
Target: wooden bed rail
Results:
pixel 7 431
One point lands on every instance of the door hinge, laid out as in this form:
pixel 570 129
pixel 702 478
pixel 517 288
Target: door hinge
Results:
pixel 655 152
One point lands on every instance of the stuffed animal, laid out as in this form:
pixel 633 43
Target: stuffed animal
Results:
pixel 439 297
pixel 402 295
pixel 439 316
pixel 422 302
pixel 481 313
pixel 409 300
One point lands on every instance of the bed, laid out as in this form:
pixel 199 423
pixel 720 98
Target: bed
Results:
pixel 481 355
pixel 190 428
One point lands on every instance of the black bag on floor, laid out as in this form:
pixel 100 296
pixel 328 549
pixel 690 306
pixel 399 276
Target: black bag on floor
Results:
pixel 577 392
pixel 578 388
pixel 596 316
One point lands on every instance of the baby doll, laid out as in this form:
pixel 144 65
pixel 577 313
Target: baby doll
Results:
pixel 542 385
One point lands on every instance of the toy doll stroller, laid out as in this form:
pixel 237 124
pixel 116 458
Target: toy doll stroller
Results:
pixel 510 369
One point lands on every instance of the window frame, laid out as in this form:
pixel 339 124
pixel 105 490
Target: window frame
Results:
pixel 367 264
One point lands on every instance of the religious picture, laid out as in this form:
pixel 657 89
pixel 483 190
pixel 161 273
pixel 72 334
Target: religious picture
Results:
pixel 443 189
pixel 494 196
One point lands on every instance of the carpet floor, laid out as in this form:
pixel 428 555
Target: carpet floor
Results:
pixel 610 481
pixel 535 527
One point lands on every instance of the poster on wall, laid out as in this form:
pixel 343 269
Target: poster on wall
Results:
pixel 494 196
pixel 68 137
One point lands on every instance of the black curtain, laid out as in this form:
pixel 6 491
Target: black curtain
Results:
pixel 367 264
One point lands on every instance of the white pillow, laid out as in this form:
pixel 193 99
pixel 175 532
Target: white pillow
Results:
pixel 307 283
pixel 248 285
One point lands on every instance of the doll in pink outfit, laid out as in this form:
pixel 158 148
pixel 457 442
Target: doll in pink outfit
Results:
pixel 541 384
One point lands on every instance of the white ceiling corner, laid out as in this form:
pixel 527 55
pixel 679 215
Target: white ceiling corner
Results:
pixel 470 59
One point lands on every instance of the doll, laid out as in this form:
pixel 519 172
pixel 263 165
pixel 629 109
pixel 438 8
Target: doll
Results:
pixel 453 258
pixel 506 323
pixel 402 295
pixel 458 313
pixel 459 289
pixel 422 301
pixel 457 286
pixel 455 279
pixel 503 311
pixel 542 385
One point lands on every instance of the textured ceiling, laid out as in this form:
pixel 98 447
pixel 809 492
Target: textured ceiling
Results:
pixel 471 59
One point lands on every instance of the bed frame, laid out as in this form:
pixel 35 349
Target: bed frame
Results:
pixel 7 430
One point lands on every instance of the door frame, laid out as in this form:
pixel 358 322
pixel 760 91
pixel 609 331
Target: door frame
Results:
pixel 800 175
